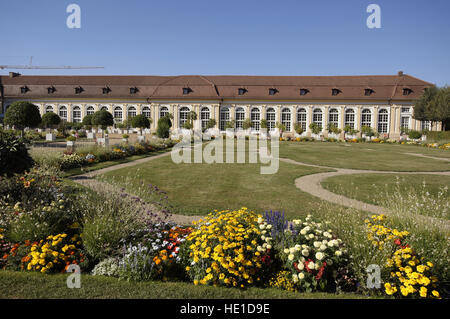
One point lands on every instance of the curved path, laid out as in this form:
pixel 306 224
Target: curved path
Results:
pixel 311 184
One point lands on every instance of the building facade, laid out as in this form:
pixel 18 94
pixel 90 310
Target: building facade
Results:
pixel 384 103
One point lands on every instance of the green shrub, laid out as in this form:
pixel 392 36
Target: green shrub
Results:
pixel 102 118
pixel 414 134
pixel 140 121
pixel 14 156
pixel 50 119
pixel 163 129
pixel 22 115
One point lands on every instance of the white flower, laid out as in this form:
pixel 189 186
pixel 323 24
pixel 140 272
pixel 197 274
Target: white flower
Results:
pixel 330 243
pixel 259 248
pixel 300 265
pixel 323 247
pixel 338 253
pixel 286 250
pixel 319 256
pixel 269 226
pixel 294 278
pixel 260 220
pixel 326 234
pixel 317 244
pixel 305 252
pixel 264 231
pixel 317 266
pixel 301 276
pixel 311 265
pixel 311 236
pixel 291 257
pixel 262 226
pixel 263 237
pixel 303 232
pixel 292 250
pixel 269 246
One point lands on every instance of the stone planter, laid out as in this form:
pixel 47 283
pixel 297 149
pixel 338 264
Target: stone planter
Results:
pixel 50 137
pixel 141 138
pixel 125 140
pixel 90 135
pixel 70 143
pixel 103 141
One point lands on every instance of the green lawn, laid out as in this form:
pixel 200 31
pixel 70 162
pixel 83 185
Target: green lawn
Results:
pixel 196 189
pixel 36 285
pixel 383 157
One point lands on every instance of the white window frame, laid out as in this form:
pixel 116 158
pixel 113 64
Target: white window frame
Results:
pixel 366 118
pixel 271 116
pixel 76 114
pixel 383 121
pixel 183 115
pixel 302 118
pixel 239 114
pixel 205 115
pixel 349 118
pixel 318 117
pixel 255 117
pixel 286 117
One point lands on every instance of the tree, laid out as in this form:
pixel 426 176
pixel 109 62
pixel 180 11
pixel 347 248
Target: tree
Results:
pixel 211 123
pixel 140 121
pixel 334 129
pixel 367 131
pixel 22 115
pixel 439 107
pixel 164 125
pixel 87 120
pixel 230 124
pixel 50 120
pixel 298 128
pixel 102 118
pixel 189 124
pixel 315 128
pixel 247 124
pixel 280 127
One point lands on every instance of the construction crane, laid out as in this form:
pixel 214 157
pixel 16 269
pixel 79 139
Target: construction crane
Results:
pixel 31 66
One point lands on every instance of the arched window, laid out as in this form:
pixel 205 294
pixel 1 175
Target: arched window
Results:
pixel 76 114
pixel 301 118
pixel 286 119
pixel 204 117
pixel 118 114
pixel 350 118
pixel 333 117
pixel 48 109
pixel 104 108
pixel 317 117
pixel 131 112
pixel 383 120
pixel 240 117
pixel 63 113
pixel 366 118
pixel 163 111
pixel 270 118
pixel 146 112
pixel 184 113
pixel 90 110
pixel 224 118
pixel 255 117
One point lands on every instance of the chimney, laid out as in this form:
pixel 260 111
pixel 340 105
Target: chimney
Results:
pixel 13 74
pixel 400 73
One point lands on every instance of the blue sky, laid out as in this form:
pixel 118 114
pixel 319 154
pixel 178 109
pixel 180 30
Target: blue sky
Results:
pixel 257 37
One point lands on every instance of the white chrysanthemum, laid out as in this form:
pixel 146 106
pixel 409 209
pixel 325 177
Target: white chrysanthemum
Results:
pixel 305 252
pixel 294 278
pixel 317 266
pixel 269 246
pixel 301 276
pixel 311 236
pixel 263 237
pixel 286 250
pixel 338 253
pixel 323 247
pixel 262 226
pixel 260 220
pixel 311 265
pixel 319 256
pixel 300 265
pixel 317 244
pixel 292 250
pixel 269 226
pixel 291 257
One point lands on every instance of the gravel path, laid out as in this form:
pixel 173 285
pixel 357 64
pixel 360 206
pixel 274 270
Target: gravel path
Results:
pixel 427 156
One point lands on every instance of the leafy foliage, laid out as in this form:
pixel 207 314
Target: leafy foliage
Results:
pixel 50 119
pixel 22 114
pixel 102 118
pixel 14 157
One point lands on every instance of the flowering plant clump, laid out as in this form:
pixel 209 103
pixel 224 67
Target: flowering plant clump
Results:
pixel 228 248
pixel 71 161
pixel 54 254
pixel 283 280
pixel 409 274
pixel 312 255
pixel 107 267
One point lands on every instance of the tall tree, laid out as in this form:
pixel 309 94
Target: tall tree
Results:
pixel 439 107
pixel 22 115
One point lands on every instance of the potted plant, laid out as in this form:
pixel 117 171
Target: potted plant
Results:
pixel 298 129
pixel 71 141
pixel 125 138
pixel 315 129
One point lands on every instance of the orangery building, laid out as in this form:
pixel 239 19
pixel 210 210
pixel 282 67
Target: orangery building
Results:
pixel 383 102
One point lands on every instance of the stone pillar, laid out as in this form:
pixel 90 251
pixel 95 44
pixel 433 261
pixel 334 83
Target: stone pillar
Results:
pixel 175 116
pixel 216 113
pixel 375 118
pixel 69 112
pixel 358 118
pixel 325 120
pixel 309 120
pixel 124 112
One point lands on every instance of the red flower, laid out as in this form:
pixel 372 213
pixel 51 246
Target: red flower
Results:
pixel 397 242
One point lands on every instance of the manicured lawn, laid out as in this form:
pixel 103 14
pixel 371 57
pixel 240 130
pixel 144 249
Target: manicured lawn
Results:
pixel 369 187
pixel 35 285
pixel 196 189
pixel 383 157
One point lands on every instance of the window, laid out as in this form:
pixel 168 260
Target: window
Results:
pixel 63 113
pixel 78 90
pixel 317 117
pixel 368 92
pixel 273 91
pixel 270 118
pixel 335 91
pixel 286 119
pixel 90 110
pixel 304 91
pixel 240 117
pixel 146 112
pixel 163 111
pixel 404 122
pixel 24 89
pixel 118 114
pixel 106 90
pixel 76 114
pixel 405 110
pixel 301 118
pixel 134 90
pixel 383 117
pixel 426 125
pixel 366 118
pixel 255 117
pixel 51 90
pixel 104 108
pixel 407 91
pixel 131 112
pixel 48 109
pixel 224 118
pixel 187 90
pixel 204 117
pixel 242 91
pixel 350 118
pixel 333 117
pixel 184 114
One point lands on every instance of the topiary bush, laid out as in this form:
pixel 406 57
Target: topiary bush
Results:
pixel 22 115
pixel 50 120
pixel 14 156
pixel 414 134
pixel 163 129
